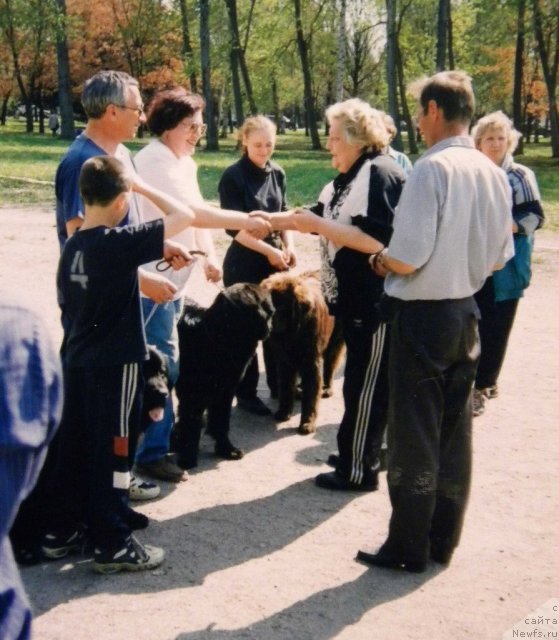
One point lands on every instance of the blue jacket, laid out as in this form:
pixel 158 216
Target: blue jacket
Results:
pixel 527 212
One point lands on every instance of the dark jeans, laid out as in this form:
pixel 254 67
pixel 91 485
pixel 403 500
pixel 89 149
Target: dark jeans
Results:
pixel 495 326
pixel 365 392
pixel 434 351
pixel 90 483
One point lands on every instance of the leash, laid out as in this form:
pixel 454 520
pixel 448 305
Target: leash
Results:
pixel 163 265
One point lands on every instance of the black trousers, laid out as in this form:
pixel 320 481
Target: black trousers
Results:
pixel 92 475
pixel 365 391
pixel 434 351
pixel 495 326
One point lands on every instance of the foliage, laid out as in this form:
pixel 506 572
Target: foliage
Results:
pixel 147 39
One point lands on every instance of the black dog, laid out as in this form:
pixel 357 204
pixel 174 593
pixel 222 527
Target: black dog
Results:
pixel 216 344
pixel 154 396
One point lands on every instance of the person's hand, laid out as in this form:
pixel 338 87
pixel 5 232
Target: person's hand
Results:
pixel 305 221
pixel 156 287
pixel 278 259
pixel 377 263
pixel 212 271
pixel 176 255
pixel 259 224
pixel 290 257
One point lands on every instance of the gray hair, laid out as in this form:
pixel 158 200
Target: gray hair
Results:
pixel 105 88
pixel 361 124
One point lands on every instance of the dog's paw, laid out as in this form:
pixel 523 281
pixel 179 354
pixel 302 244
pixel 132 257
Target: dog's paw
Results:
pixel 282 416
pixel 327 392
pixel 305 428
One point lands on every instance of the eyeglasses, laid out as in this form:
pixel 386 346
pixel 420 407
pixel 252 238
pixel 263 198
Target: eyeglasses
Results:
pixel 195 127
pixel 139 110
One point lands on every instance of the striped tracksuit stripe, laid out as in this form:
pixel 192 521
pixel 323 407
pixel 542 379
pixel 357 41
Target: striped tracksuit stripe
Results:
pixel 365 403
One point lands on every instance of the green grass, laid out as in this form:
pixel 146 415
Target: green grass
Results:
pixel 35 157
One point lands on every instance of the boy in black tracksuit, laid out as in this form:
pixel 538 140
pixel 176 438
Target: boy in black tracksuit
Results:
pixel 104 346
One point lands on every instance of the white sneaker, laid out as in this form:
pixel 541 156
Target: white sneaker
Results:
pixel 134 556
pixel 142 490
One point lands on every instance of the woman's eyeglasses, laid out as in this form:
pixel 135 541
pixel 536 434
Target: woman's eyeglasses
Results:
pixel 195 127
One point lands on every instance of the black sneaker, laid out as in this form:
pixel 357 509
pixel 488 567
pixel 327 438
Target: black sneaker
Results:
pixel 133 556
pixel 335 482
pixel 56 545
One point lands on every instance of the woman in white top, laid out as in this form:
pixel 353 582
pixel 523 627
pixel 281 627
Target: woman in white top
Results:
pixel 175 117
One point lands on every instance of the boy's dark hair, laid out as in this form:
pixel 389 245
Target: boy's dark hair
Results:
pixel 170 106
pixel 453 93
pixel 102 179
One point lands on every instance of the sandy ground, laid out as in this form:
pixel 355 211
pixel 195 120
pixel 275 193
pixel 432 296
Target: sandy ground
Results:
pixel 255 550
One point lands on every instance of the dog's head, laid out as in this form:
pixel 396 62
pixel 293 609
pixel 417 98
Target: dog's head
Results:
pixel 245 308
pixel 296 299
pixel 156 384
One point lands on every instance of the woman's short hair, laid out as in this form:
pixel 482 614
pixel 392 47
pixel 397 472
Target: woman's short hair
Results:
pixel 252 124
pixel 496 120
pixel 452 91
pixel 105 88
pixel 361 125
pixel 102 179
pixel 170 106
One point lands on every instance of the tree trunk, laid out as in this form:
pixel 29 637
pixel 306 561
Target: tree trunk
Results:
pixel 235 81
pixel 342 38
pixel 4 109
pixel 187 52
pixel 212 141
pixel 41 111
pixel 517 111
pixel 307 79
pixel 280 124
pixel 450 40
pixel 67 127
pixel 550 75
pixel 234 62
pixel 391 72
pixel 236 46
pixel 442 33
pixel 410 126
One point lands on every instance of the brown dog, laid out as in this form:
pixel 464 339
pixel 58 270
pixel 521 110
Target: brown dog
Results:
pixel 302 329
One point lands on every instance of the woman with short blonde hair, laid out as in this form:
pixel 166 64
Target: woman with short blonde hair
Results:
pixel 495 136
pixel 493 121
